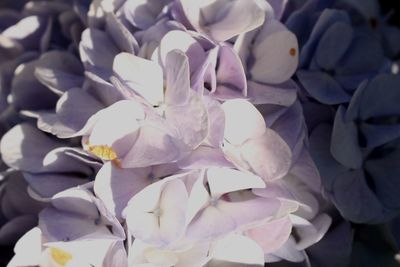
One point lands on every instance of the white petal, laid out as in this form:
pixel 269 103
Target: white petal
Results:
pixel 141 75
pixel 180 40
pixel 238 249
pixel 116 122
pixel 28 249
pixel 173 205
pixel 242 121
pixel 225 180
pixel 269 156
pixel 276 58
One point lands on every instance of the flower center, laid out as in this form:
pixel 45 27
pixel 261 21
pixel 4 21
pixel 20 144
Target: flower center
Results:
pixel 157 212
pixel 213 201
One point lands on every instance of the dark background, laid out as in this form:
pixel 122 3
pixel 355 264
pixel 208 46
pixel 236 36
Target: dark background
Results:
pixel 390 5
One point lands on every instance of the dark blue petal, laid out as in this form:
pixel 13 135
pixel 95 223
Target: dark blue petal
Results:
pixel 323 87
pixel 385 173
pixel 345 144
pixel 333 45
pixel 355 199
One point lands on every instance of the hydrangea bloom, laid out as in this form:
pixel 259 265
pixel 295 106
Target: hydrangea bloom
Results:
pixel 170 132
pixel 336 74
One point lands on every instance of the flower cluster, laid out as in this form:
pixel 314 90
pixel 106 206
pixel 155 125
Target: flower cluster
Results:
pixel 35 37
pixel 159 133
pixel 348 72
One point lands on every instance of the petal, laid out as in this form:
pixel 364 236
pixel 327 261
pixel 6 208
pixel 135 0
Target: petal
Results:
pixel 56 80
pixel 230 71
pixel 306 171
pixel 197 256
pixel 269 156
pixel 145 226
pixel 76 200
pixel 47 185
pixel 11 231
pixel 96 49
pixel 59 71
pixel 205 76
pixel 116 186
pixel 345 147
pixel 116 256
pixel 385 182
pixel 173 205
pixel 278 6
pixel 328 167
pixel 124 134
pixel 287 252
pixel 378 135
pixel 207 224
pixel 73 110
pixel 178 78
pixel 27 31
pixel 323 87
pixel 222 19
pixel 16 200
pixel 356 62
pixel 374 104
pixel 156 215
pixel 191 119
pixel 61 226
pixel 310 233
pixel 250 212
pixel 147 200
pixel 335 248
pixel 143 76
pixel 368 9
pixel 182 41
pixel 28 249
pixel 125 41
pixel 272 235
pixel 24 147
pixel 210 224
pixel 330 50
pixel 85 252
pixel 143 14
pixel 276 58
pixel 225 180
pixel 282 94
pixel 26 87
pixel 290 125
pixel 104 91
pixel 216 118
pixel 204 157
pixel 154 145
pixel 354 198
pixel 242 121
pixel 327 18
pixel 237 249
pixel 199 196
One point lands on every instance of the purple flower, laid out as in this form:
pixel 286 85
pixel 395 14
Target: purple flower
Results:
pixel 175 138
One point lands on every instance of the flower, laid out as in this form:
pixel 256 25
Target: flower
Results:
pixel 175 139
pixel 362 147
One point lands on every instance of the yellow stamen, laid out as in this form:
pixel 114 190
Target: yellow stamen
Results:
pixel 103 152
pixel 60 256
